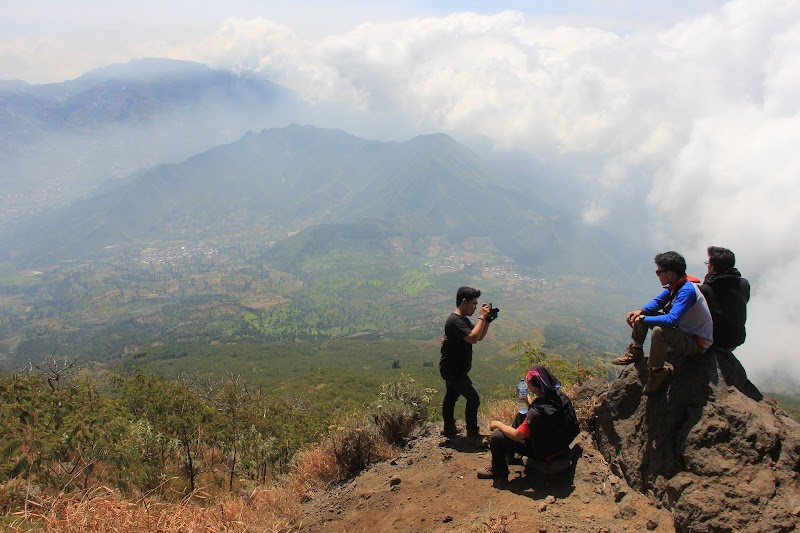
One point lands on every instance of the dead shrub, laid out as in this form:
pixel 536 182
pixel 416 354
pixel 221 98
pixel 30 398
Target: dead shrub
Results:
pixel 316 466
pixel 355 445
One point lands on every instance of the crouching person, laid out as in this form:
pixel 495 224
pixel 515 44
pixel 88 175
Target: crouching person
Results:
pixel 544 436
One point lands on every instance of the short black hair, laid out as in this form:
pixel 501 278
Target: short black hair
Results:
pixel 466 292
pixel 671 262
pixel 720 259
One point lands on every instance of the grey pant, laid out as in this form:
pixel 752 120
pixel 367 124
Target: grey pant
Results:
pixel 663 339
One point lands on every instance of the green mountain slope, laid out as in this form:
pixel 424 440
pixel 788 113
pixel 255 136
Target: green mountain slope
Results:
pixel 281 181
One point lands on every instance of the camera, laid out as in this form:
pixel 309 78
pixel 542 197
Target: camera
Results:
pixel 492 313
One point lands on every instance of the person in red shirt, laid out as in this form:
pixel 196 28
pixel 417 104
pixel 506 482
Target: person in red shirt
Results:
pixel 546 433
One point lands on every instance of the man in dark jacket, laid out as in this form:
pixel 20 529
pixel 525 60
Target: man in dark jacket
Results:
pixel 727 294
pixel 544 436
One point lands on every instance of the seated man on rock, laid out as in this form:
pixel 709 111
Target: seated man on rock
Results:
pixel 679 318
pixel 544 436
pixel 727 294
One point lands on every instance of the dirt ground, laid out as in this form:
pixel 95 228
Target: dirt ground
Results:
pixel 432 486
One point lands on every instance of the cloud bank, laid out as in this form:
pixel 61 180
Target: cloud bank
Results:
pixel 705 113
pixel 698 122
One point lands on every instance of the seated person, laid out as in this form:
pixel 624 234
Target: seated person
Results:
pixel 727 294
pixel 678 317
pixel 546 433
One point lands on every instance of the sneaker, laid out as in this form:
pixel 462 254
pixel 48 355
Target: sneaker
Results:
pixel 656 378
pixel 488 473
pixel 630 355
pixel 450 430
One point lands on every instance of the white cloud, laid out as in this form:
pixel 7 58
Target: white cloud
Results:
pixel 707 111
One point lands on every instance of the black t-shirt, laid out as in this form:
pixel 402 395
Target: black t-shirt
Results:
pixel 456 353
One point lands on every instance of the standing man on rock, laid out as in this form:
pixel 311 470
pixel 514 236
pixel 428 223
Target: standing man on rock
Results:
pixel 727 294
pixel 678 316
pixel 456 361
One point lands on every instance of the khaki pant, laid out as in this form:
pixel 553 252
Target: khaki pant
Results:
pixel 665 339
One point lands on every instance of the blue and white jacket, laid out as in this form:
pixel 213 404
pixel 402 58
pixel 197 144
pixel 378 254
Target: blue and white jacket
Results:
pixel 682 306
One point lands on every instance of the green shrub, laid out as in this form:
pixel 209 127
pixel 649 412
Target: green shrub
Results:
pixel 407 391
pixel 570 373
pixel 395 421
pixel 403 404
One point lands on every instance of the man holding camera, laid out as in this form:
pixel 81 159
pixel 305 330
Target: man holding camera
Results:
pixel 456 360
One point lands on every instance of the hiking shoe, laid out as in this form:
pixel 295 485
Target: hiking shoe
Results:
pixel 514 460
pixel 488 473
pixel 630 355
pixel 478 441
pixel 450 430
pixel 656 378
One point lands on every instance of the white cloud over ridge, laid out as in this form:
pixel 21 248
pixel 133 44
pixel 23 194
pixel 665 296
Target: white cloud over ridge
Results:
pixel 704 115
pixel 707 111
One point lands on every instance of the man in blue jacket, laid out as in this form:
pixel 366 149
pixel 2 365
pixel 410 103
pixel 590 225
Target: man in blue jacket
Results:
pixel 678 317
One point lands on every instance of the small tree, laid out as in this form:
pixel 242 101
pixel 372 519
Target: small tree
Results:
pixel 569 372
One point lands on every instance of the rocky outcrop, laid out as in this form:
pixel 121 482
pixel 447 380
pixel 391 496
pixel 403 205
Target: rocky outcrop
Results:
pixel 708 446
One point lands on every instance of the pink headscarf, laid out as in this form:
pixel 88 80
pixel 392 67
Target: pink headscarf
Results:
pixel 541 375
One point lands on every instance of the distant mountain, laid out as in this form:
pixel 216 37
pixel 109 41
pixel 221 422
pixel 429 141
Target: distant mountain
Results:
pixel 59 141
pixel 298 177
pixel 131 93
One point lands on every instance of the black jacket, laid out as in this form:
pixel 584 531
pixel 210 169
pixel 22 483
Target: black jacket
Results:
pixel 553 425
pixel 727 294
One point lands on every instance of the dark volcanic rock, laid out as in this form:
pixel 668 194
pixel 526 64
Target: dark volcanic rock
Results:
pixel 708 446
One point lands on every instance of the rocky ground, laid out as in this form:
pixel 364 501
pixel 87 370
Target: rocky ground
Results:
pixel 432 486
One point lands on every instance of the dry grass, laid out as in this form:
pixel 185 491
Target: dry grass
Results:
pixel 276 509
pixel 273 509
pixel 503 410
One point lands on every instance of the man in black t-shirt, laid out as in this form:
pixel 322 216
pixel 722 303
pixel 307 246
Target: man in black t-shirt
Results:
pixel 456 361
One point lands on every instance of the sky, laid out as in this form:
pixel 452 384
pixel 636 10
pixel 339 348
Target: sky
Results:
pixel 690 108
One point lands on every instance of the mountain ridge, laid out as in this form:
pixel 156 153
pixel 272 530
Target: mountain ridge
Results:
pixel 295 177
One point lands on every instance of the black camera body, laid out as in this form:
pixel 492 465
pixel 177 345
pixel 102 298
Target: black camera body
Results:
pixel 492 313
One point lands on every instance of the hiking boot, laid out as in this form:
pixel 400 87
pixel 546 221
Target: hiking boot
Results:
pixel 656 378
pixel 450 430
pixel 478 441
pixel 488 473
pixel 630 355
pixel 515 460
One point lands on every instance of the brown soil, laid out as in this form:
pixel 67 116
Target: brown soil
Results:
pixel 431 485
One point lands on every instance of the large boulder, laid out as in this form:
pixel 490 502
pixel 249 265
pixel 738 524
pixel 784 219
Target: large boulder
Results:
pixel 708 445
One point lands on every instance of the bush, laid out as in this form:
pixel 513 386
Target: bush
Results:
pixel 395 422
pixel 570 373
pixel 355 446
pixel 403 404
pixel 408 392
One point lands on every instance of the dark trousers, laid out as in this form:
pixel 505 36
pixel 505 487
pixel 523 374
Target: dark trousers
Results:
pixel 461 386
pixel 502 448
